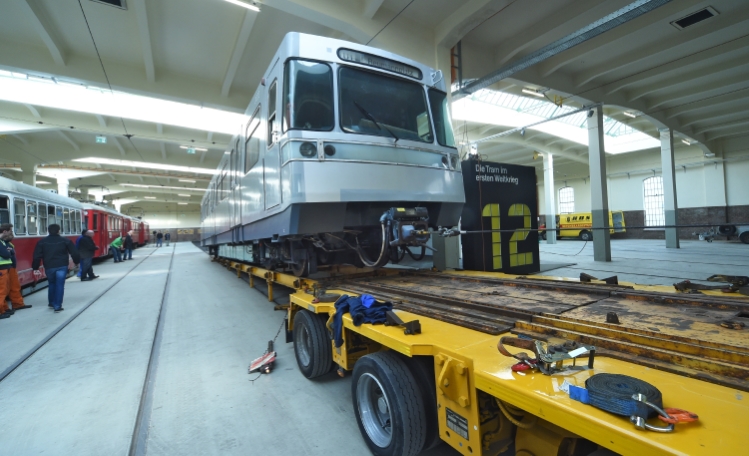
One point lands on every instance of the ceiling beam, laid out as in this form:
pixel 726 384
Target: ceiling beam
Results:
pixel 371 7
pixel 39 22
pixel 544 32
pixel 472 13
pixel 611 37
pixel 562 45
pixel 721 114
pixel 117 143
pixel 70 140
pixel 141 16
pixel 22 139
pixel 209 138
pixel 202 157
pixel 34 111
pixel 726 50
pixel 163 151
pixel 239 46
pixel 727 85
pixel 102 120
pixel 721 27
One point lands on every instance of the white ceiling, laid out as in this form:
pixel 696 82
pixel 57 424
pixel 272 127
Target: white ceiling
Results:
pixel 212 53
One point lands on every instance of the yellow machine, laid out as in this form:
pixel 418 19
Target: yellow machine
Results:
pixel 439 369
pixel 579 224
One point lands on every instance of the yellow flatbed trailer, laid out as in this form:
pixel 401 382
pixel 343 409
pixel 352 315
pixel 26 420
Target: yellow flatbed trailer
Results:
pixel 673 341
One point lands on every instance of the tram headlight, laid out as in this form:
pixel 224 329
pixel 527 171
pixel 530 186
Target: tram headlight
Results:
pixel 455 161
pixel 329 150
pixel 308 149
pixel 445 162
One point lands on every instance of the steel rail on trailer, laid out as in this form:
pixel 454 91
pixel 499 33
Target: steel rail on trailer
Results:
pixel 677 342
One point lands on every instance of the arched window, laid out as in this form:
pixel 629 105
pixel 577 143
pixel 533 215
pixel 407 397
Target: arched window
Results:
pixel 566 200
pixel 653 201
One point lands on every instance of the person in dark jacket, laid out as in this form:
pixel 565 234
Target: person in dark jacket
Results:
pixel 167 237
pixel 55 252
pixel 127 253
pixel 159 239
pixel 87 249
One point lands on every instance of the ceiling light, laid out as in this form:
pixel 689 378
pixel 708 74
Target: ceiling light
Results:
pixel 246 5
pixel 40 91
pixel 42 182
pixel 686 142
pixel 200 149
pixel 180 194
pixel 145 165
pixel 182 204
pixel 533 92
pixel 187 180
pixel 630 114
pixel 150 197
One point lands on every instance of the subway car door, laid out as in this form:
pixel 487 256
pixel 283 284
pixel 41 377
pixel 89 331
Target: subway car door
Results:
pixel 272 159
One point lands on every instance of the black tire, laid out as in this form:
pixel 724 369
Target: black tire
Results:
pixel 312 345
pixel 422 368
pixel 388 405
pixel 727 230
pixel 744 237
pixel 586 235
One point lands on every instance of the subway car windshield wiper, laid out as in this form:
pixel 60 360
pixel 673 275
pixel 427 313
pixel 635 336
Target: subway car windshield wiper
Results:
pixel 377 124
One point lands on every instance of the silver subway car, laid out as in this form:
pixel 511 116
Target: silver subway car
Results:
pixel 347 155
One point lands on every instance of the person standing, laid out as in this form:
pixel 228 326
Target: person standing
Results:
pixel 159 239
pixel 127 254
pixel 55 252
pixel 77 244
pixel 167 237
pixel 16 298
pixel 115 247
pixel 5 264
pixel 87 249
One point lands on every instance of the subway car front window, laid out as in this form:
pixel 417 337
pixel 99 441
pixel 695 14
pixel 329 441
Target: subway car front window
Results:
pixel 308 96
pixel 441 115
pixel 380 105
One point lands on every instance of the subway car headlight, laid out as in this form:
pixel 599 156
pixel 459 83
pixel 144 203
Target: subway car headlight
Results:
pixel 308 149
pixel 329 150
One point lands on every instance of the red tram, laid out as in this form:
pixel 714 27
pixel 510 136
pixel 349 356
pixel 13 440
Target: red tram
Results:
pixel 31 210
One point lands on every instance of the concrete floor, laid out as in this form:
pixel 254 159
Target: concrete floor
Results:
pixel 649 262
pixel 80 393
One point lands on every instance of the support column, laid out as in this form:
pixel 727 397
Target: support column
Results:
pixel 670 207
pixel 551 205
pixel 63 186
pixel 28 174
pixel 599 195
pixel 84 194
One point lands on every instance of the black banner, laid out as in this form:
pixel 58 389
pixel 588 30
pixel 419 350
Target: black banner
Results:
pixel 500 196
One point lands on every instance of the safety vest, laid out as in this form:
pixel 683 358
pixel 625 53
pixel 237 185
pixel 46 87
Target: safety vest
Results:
pixel 4 261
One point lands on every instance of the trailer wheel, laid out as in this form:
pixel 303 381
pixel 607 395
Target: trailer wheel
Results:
pixel 744 237
pixel 422 368
pixel 388 405
pixel 586 235
pixel 312 345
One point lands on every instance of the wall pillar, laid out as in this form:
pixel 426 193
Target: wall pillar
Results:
pixel 670 206
pixel 84 194
pixel 550 190
pixel 599 195
pixel 63 185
